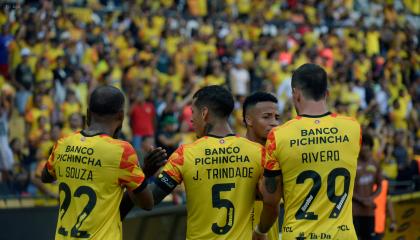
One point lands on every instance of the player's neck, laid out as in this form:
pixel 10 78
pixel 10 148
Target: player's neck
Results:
pixel 250 135
pixel 98 127
pixel 313 108
pixel 219 128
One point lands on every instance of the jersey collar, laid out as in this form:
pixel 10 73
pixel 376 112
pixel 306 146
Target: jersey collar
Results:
pixel 229 135
pixel 91 135
pixel 316 116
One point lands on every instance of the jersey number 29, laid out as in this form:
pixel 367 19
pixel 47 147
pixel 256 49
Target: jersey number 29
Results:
pixel 339 201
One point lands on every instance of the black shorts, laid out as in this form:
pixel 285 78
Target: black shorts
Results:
pixel 365 227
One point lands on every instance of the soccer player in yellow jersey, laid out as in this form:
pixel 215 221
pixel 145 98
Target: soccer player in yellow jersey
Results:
pixel 311 162
pixel 220 171
pixel 261 114
pixel 93 168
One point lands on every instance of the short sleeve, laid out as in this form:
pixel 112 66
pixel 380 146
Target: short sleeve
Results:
pixel 173 168
pixel 51 162
pixel 272 165
pixel 131 175
pixel 40 167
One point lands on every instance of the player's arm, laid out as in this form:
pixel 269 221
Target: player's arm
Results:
pixel 152 195
pixel 271 188
pixel 48 172
pixel 142 196
pixel 170 176
pixel 162 187
pixel 46 177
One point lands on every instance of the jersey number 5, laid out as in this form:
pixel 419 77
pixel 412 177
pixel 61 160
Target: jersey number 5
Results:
pixel 82 190
pixel 339 201
pixel 219 203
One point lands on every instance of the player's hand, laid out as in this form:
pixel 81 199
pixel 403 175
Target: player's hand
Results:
pixel 256 236
pixel 154 160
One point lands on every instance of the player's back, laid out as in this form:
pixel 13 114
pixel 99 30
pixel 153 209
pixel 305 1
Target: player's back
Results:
pixel 318 159
pixel 91 172
pixel 220 177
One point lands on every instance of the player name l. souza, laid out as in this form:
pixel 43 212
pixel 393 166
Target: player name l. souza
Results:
pixel 220 156
pixel 78 155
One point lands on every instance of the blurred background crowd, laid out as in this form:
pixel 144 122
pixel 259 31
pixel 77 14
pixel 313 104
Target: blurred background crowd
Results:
pixel 53 53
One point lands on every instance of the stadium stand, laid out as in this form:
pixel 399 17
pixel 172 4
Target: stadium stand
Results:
pixel 54 53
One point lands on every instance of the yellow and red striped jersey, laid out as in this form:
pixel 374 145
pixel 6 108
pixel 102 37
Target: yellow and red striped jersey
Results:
pixel 92 173
pixel 317 158
pixel 220 177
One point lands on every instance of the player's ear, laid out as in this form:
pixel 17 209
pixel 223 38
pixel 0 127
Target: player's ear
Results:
pixel 248 120
pixel 205 113
pixel 297 94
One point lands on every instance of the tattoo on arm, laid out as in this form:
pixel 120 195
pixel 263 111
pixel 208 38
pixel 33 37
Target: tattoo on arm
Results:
pixel 270 184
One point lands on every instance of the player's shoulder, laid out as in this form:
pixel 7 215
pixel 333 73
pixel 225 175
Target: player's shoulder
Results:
pixel 279 130
pixel 68 137
pixel 344 117
pixel 117 143
pixel 287 124
pixel 249 142
pixel 348 121
pixel 196 144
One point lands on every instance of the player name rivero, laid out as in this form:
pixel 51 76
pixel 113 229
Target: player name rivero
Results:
pixel 319 136
pixel 224 155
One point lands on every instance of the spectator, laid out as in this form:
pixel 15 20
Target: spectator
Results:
pixel 24 80
pixel 6 155
pixel 75 123
pixel 5 40
pixel 164 54
pixel 240 80
pixel 400 153
pixel 368 176
pixel 20 170
pixel 142 120
pixel 70 106
pixel 168 138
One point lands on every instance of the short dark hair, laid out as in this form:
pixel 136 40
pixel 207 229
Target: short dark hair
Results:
pixel 312 80
pixel 255 98
pixel 216 98
pixel 367 140
pixel 106 100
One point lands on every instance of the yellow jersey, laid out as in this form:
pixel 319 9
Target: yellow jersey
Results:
pixel 220 177
pixel 317 158
pixel 92 172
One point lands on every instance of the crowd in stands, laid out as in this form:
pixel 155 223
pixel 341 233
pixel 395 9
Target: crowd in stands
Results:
pixel 54 53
